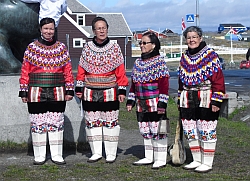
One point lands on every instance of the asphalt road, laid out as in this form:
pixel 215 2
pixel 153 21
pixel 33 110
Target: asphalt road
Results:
pixel 237 80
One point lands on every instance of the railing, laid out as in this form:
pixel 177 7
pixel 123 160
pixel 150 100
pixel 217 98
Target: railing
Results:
pixel 219 49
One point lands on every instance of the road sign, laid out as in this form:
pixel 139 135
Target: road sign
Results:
pixel 190 18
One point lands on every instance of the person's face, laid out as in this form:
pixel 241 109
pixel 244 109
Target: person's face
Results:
pixel 146 45
pixel 48 31
pixel 100 31
pixel 193 40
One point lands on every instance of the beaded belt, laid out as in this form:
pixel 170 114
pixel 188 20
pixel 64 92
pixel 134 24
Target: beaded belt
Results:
pixel 46 80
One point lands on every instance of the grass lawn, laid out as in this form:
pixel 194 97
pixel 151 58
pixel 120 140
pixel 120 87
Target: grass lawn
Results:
pixel 231 158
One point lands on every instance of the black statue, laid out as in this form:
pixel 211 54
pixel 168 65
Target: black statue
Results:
pixel 18 27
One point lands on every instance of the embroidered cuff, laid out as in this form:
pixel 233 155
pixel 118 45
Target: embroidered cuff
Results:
pixel 79 83
pixel 122 87
pixel 69 86
pixel 163 98
pixel 24 87
pixel 131 96
pixel 217 96
pixel 122 90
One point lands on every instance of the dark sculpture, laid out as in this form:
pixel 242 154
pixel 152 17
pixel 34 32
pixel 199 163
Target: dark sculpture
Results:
pixel 18 27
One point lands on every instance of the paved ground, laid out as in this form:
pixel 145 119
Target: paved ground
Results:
pixel 130 143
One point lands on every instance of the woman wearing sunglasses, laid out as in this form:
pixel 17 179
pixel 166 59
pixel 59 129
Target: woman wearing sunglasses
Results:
pixel 149 92
pixel 201 89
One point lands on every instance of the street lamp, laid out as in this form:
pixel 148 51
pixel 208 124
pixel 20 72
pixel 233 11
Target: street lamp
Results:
pixel 197 16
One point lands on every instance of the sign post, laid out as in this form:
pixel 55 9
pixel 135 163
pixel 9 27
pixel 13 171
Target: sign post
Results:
pixel 190 18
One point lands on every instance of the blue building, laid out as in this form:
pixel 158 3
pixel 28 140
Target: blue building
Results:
pixel 224 28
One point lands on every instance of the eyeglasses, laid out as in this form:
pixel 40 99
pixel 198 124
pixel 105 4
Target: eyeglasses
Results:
pixel 192 37
pixel 101 29
pixel 144 43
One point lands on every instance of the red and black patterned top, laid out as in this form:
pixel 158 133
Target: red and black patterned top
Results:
pixel 199 67
pixel 40 58
pixel 101 67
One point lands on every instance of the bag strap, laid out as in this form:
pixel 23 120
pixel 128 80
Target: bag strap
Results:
pixel 181 128
pixel 179 131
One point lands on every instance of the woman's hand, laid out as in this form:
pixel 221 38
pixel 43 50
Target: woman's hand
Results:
pixel 129 108
pixel 215 108
pixel 121 98
pixel 68 98
pixel 24 99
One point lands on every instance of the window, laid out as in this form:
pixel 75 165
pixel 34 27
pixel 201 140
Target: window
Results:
pixel 81 20
pixel 78 42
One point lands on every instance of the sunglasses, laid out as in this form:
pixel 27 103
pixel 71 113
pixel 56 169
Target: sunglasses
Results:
pixel 144 43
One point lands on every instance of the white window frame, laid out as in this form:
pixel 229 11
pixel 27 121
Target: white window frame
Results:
pixel 83 19
pixel 82 41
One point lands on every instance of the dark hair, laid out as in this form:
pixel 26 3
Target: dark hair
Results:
pixel 99 19
pixel 193 29
pixel 153 39
pixel 45 21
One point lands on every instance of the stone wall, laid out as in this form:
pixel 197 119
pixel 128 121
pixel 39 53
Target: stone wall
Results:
pixel 14 120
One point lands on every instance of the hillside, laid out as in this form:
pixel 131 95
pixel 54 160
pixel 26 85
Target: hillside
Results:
pixel 211 39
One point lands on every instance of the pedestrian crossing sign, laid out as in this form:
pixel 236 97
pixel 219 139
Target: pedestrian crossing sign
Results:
pixel 190 18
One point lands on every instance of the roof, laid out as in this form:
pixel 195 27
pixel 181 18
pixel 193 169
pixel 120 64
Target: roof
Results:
pixel 232 25
pixel 166 31
pixel 140 31
pixel 77 7
pixel 118 26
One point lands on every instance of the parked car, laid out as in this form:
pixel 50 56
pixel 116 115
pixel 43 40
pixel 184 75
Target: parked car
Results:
pixel 222 63
pixel 245 64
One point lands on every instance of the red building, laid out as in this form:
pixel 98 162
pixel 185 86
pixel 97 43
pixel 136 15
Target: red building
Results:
pixel 137 35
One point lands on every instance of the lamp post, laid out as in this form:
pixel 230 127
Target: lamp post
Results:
pixel 197 16
pixel 125 52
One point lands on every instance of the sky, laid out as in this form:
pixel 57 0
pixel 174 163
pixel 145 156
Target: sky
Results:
pixel 159 15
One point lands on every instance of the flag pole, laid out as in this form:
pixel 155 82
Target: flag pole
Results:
pixel 232 61
pixel 183 26
pixel 181 41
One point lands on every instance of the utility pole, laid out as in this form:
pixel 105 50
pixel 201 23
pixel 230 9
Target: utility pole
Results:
pixel 125 52
pixel 197 16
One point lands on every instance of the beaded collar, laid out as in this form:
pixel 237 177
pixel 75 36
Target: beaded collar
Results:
pixel 198 67
pixel 101 60
pixel 148 70
pixel 42 55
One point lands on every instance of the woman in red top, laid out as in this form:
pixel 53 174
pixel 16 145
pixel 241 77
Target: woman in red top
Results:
pixel 201 89
pixel 149 92
pixel 46 83
pixel 101 85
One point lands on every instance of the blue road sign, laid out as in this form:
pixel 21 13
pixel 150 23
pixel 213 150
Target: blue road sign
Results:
pixel 190 18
